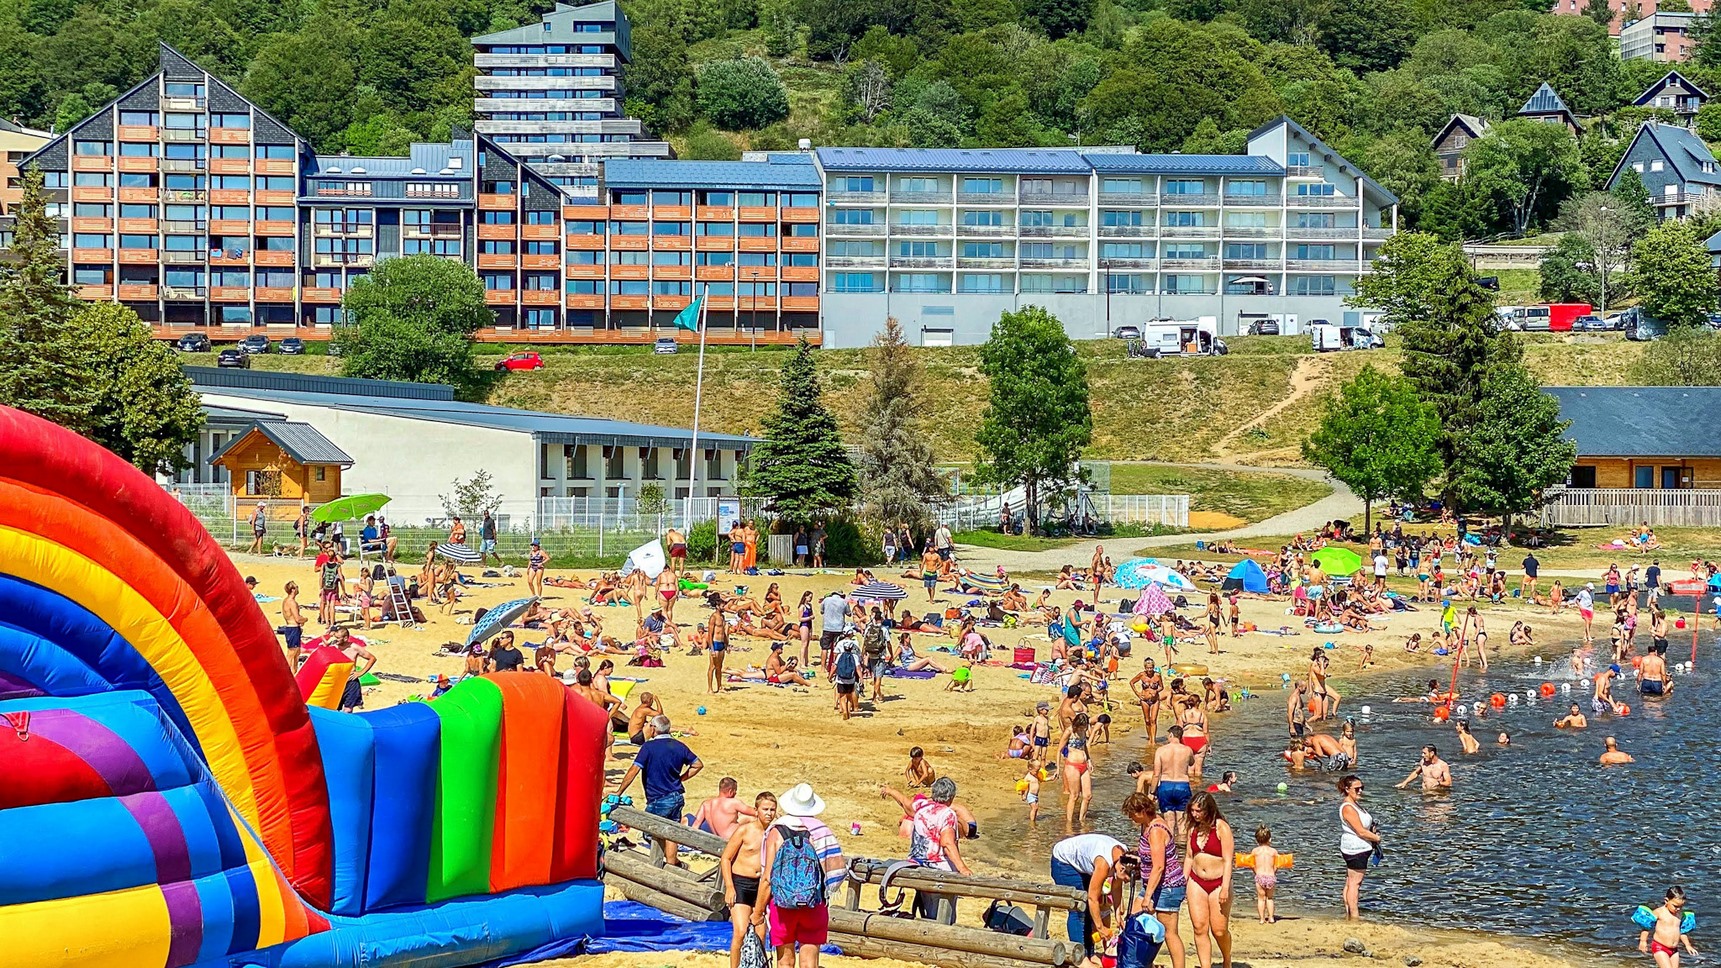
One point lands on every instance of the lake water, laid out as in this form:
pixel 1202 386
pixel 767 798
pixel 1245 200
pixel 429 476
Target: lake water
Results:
pixel 1534 839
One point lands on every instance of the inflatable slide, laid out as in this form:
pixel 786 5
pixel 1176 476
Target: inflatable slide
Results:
pixel 168 798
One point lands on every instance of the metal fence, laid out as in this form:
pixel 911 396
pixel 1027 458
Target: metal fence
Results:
pixel 1167 510
pixel 1628 506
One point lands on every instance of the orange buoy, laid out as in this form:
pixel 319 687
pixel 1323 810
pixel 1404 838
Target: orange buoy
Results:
pixel 1637 662
pixel 1442 714
pixel 1547 690
pixel 1315 708
pixel 1679 623
pixel 1497 700
pixel 1624 710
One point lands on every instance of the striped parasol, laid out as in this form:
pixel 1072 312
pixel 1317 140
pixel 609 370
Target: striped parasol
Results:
pixel 879 591
pixel 459 554
pixel 1142 572
pixel 1152 602
pixel 498 618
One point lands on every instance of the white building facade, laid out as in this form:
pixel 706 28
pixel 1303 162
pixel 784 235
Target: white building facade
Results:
pixel 947 239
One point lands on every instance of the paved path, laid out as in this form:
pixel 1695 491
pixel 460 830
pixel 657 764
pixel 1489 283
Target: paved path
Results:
pixel 1341 504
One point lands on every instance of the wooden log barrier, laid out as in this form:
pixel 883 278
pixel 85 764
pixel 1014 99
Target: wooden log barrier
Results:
pixel 948 938
pixel 673 881
pixel 859 947
pixel 663 902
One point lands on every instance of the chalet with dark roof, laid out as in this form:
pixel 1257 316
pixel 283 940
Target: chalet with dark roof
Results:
pixel 1674 92
pixel 1546 105
pixel 1450 143
pixel 1675 165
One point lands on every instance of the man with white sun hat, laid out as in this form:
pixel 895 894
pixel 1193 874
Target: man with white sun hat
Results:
pixel 802 868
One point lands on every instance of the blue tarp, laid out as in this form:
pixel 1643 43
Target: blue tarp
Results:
pixel 1247 576
pixel 630 926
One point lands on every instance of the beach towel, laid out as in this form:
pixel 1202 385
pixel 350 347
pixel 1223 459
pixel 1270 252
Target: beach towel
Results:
pixel 619 688
pixel 907 674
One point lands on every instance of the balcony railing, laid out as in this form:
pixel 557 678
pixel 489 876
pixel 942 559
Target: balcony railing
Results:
pixel 985 262
pixel 1041 231
pixel 1674 198
pixel 1255 264
pixel 1189 231
pixel 872 229
pixel 1321 201
pixel 186 195
pixel 944 228
pixel 1303 171
pixel 1031 197
pixel 901 196
pixel 854 261
pixel 183 164
pixel 1252 231
pixel 994 231
pixel 1129 199
pixel 985 198
pixel 1128 231
pixel 1201 265
pixel 853 198
pixel 1202 200
pixel 1054 262
pixel 1377 235
pixel 1268 200
pixel 1296 232
pixel 183 292
pixel 919 262
pixel 1128 262
pixel 184 134
pixel 179 257
pixel 1335 264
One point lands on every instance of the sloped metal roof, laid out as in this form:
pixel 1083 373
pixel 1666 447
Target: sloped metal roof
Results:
pixel 300 441
pixel 774 175
pixel 1641 421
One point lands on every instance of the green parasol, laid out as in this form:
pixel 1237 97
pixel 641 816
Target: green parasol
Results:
pixel 350 508
pixel 1337 561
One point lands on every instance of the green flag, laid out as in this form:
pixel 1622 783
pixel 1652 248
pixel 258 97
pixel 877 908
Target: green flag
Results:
pixel 688 318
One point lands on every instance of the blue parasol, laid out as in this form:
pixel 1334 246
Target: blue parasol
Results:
pixel 497 619
pixel 1138 573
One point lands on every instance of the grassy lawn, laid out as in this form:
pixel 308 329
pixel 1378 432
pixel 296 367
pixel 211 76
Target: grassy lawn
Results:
pixel 1252 497
pixel 1012 542
pixel 1518 287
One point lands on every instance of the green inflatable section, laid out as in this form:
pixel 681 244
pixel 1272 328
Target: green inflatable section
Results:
pixel 460 840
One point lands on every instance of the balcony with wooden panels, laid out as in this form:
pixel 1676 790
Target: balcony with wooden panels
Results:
pixel 139 257
pixel 492 202
pixel 630 243
pixel 498 297
pixel 496 260
pixel 87 256
pixel 320 295
pixel 230 166
pixel 540 297
pixel 800 214
pixel 229 136
pixel 630 272
pixel 150 196
pixel 714 243
pixel 721 304
pixel 541 233
pixel 714 273
pixel 529 261
pixel 274 294
pixel 138 132
pixel 630 302
pixel 584 301
pixel 672 243
pixel 585 243
pixel 92 162
pixel 798 243
pixel 137 292
pixel 92 193
pixel 714 213
pixel 672 213
pixel 594 213
pixel 229 226
pixel 230 294
pixel 494 232
pixel 229 196
pixel 274 166
pixel 629 213
pixel 278 228
pixel 85 224
pixel 759 213
pixel 634 336
pixel 671 303
pixel 225 257
pixel 753 243
pixel 800 273
pixel 274 197
pixel 95 293
pixel 585 272
pixel 273 257
pixel 792 304
pixel 135 164
pixel 674 273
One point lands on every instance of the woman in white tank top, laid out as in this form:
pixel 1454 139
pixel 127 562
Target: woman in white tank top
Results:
pixel 1357 842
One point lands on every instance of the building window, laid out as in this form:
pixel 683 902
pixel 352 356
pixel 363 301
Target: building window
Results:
pixel 1116 218
pixel 854 183
pixel 432 189
pixel 717 199
pixel 922 282
pixel 855 282
pixel 92 148
pixel 758 229
pixel 852 216
pixel 1186 219
pixel 990 216
pixel 1185 186
pixel 1121 185
pixel 1246 188
pixel 757 199
pixel 981 282
pixel 1313 286
pixel 983 186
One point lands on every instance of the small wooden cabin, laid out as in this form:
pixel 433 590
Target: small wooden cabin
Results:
pixel 283 460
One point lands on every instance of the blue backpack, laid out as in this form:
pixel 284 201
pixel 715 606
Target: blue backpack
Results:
pixel 797 876
pixel 848 669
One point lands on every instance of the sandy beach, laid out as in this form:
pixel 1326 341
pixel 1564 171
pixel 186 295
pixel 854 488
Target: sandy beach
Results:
pixel 770 738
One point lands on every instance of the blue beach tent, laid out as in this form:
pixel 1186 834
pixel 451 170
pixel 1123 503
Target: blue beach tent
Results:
pixel 1246 576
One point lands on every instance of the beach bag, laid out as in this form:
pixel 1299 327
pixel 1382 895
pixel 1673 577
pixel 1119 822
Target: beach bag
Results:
pixel 1008 919
pixel 1141 940
pixel 753 952
pixel 797 877
pixel 847 668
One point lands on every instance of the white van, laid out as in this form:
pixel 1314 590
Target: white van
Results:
pixel 1325 336
pixel 1170 337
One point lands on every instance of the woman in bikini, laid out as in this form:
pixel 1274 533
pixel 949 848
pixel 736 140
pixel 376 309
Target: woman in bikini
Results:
pixel 1193 719
pixel 1149 686
pixel 1208 870
pixel 806 628
pixel 773 600
pixel 1326 698
pixel 1213 621
pixel 1078 777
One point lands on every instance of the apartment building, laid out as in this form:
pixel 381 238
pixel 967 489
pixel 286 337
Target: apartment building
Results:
pixel 945 240
pixel 550 94
pixel 1660 36
pixel 1626 11
pixel 16 143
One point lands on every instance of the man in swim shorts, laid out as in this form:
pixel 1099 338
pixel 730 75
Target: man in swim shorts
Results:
pixel 677 543
pixel 1612 755
pixel 1436 774
pixel 719 642
pixel 1327 750
pixel 1652 678
pixel 1171 765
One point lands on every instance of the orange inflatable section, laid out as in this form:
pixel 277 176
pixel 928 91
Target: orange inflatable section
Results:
pixel 533 729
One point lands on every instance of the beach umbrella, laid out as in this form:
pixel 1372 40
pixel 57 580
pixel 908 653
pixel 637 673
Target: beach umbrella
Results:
pixel 1142 572
pixel 498 619
pixel 879 591
pixel 350 508
pixel 648 558
pixel 1152 602
pixel 1337 561
pixel 459 554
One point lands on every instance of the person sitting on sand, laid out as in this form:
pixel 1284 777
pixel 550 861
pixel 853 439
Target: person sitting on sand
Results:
pixel 1018 746
pixel 906 658
pixel 782 672
pixel 919 773
pixel 1067 579
pixel 1013 600
pixel 908 623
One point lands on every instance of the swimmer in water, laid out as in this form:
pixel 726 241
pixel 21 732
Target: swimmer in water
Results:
pixel 1465 739
pixel 1435 773
pixel 1227 783
pixel 1612 755
pixel 1504 740
pixel 1572 720
pixel 1603 700
pixel 1432 695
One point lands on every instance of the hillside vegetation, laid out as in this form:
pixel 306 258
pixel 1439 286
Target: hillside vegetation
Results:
pixel 1253 406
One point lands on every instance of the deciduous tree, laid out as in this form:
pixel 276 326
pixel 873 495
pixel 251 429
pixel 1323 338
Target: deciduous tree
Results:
pixel 1037 419
pixel 1673 278
pixel 1514 448
pixel 146 410
pixel 1527 167
pixel 1568 272
pixel 1688 356
pixel 800 466
pixel 1378 437
pixel 412 318
pixel 744 93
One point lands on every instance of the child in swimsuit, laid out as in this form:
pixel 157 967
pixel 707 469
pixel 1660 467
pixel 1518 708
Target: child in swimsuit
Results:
pixel 1266 875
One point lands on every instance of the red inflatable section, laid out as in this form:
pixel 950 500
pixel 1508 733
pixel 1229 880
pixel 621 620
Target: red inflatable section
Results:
pixel 580 772
pixel 42 771
pixel 526 775
pixel 282 756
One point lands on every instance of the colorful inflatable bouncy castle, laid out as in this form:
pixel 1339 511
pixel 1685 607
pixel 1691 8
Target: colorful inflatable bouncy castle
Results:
pixel 168 797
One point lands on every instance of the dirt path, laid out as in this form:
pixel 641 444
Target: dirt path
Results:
pixel 1309 373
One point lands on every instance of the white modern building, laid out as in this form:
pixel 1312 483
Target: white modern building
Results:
pixel 551 94
pixel 412 441
pixel 947 239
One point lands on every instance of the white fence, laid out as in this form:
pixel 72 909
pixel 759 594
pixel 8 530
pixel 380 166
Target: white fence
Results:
pixel 1629 506
pixel 1168 510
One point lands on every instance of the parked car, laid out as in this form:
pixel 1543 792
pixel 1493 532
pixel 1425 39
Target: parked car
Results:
pixel 1715 320
pixel 1615 321
pixel 1126 332
pixel 193 343
pixel 665 344
pixel 1642 327
pixel 231 357
pixel 292 346
pixel 527 360
pixel 1264 327
pixel 1590 323
pixel 257 343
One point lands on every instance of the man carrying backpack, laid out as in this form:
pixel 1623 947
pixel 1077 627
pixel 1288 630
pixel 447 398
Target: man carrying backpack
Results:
pixel 803 865
pixel 846 674
pixel 877 649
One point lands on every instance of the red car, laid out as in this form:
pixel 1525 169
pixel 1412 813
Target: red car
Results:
pixel 521 361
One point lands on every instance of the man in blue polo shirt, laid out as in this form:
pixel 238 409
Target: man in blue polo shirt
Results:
pixel 667 765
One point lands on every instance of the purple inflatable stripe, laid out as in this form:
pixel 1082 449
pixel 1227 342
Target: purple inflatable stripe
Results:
pixel 112 758
pixel 185 918
pixel 12 687
pixel 166 837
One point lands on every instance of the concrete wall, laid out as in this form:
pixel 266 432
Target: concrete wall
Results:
pixel 851 320
pixel 414 461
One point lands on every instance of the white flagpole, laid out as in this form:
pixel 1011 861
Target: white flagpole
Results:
pixel 698 393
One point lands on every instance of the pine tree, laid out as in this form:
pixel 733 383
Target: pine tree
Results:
pixel 801 465
pixel 899 483
pixel 45 366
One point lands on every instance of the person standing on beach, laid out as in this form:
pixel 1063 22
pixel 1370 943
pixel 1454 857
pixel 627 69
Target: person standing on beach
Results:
pixel 677 543
pixel 1586 603
pixel 833 616
pixel 1527 588
pixel 722 813
pixel 1668 933
pixel 1162 880
pixel 799 851
pixel 1652 678
pixel 719 642
pixel 292 629
pixel 259 528
pixel 1207 869
pixel 666 764
pixel 741 864
pixel 1435 772
pixel 487 539
pixel 669 588
pixel 1358 841
pixel 1297 710
pixel 1170 777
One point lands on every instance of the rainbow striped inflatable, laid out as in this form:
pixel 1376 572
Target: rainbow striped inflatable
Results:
pixel 168 797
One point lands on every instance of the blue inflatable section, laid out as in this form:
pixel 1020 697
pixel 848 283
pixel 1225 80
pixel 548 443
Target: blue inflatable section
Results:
pixel 408 743
pixel 349 762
